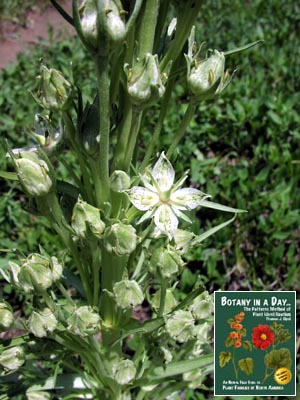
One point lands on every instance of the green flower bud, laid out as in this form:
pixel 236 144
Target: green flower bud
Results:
pixel 35 273
pixel 41 323
pixel 180 326
pixel 170 301
pixel 168 260
pixel 12 358
pixel 112 30
pixel 57 269
pixel 120 239
pixel 6 317
pixel 84 321
pixel 37 395
pixel 119 181
pixel 128 294
pixel 194 378
pixel 202 306
pixel 182 240
pixel 201 332
pixel 35 173
pixel 86 219
pixel 55 92
pixel 144 83
pixel 14 270
pixel 124 372
pixel 205 77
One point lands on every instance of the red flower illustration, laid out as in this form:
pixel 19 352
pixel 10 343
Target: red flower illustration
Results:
pixel 262 337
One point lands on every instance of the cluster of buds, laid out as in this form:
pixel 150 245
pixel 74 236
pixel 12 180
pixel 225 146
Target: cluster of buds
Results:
pixel 194 323
pixel 37 272
pixel 237 334
pixel 124 371
pixel 102 25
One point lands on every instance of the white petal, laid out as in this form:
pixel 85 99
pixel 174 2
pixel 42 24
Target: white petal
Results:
pixel 163 173
pixel 142 198
pixel 166 220
pixel 187 198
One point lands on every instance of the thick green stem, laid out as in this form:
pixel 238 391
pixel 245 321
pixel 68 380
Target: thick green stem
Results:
pixel 147 25
pixel 101 174
pixel 182 128
pixel 123 136
pixel 135 128
pixel 111 272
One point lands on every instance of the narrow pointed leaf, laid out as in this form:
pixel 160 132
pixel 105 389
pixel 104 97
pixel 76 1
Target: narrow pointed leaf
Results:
pixel 211 231
pixel 242 48
pixel 217 206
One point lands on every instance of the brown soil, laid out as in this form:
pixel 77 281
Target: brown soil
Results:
pixel 16 38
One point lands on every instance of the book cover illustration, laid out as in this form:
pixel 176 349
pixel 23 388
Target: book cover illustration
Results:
pixel 255 350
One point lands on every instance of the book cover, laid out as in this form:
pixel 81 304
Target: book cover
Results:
pixel 255 343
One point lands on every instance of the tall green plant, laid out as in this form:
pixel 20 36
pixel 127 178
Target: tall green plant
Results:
pixel 122 216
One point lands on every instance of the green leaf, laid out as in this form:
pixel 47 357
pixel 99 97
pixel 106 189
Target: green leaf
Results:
pixel 229 342
pixel 278 358
pixel 242 48
pixel 179 367
pixel 12 176
pixel 224 358
pixel 247 345
pixel 217 206
pixel 210 232
pixel 66 381
pixel 246 365
pixel 283 336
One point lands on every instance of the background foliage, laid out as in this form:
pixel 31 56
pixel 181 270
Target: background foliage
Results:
pixel 242 149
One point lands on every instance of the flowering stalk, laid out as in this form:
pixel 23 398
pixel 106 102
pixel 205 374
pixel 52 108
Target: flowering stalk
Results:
pixel 122 217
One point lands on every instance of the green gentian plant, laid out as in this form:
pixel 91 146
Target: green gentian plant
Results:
pixel 121 217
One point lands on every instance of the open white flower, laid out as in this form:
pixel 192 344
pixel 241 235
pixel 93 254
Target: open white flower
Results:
pixel 163 199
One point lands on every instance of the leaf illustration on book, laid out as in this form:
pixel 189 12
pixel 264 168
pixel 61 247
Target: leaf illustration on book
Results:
pixel 247 345
pixel 283 336
pixel 229 342
pixel 246 365
pixel 278 358
pixel 224 358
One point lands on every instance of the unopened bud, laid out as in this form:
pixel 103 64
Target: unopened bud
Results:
pixel 86 219
pixel 113 28
pixel 180 326
pixel 167 260
pixel 57 268
pixel 55 92
pixel 35 173
pixel 128 294
pixel 120 239
pixel 124 372
pixel 6 317
pixel 144 83
pixel 12 358
pixel 37 395
pixel 84 321
pixel 202 306
pixel 170 301
pixel 41 323
pixel 205 77
pixel 35 273
pixel 119 181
